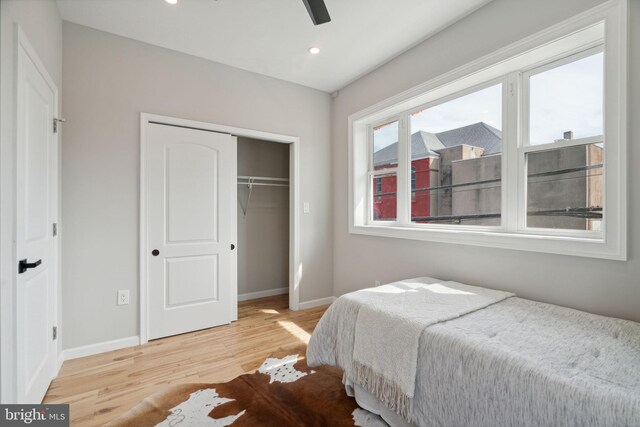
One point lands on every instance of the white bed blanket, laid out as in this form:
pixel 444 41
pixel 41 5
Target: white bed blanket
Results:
pixel 516 362
pixel 390 322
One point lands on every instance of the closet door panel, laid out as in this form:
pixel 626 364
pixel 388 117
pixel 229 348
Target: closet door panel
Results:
pixel 190 186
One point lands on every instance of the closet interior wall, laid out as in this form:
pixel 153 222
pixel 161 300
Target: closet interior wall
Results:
pixel 263 233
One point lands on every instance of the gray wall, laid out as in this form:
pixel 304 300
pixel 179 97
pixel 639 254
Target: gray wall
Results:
pixel 477 199
pixel 263 234
pixel 108 80
pixel 42 25
pixel 600 286
pixel 569 190
pixel 581 189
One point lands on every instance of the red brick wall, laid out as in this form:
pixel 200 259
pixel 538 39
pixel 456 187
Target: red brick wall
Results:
pixel 385 198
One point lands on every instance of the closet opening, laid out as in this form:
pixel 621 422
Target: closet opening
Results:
pixel 263 218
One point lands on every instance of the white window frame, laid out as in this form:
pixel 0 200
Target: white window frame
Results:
pixel 525 147
pixel 603 25
pixel 504 81
pixel 373 173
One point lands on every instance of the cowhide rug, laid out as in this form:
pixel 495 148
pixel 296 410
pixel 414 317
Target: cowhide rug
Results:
pixel 282 392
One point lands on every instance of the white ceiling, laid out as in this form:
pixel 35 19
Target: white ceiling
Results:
pixel 272 37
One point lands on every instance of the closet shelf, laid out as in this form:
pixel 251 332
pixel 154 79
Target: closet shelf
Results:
pixel 266 181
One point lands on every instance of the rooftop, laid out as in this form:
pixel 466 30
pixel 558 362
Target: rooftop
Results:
pixel 426 144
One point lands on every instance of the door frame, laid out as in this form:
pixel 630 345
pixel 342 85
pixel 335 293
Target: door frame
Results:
pixel 295 266
pixel 8 188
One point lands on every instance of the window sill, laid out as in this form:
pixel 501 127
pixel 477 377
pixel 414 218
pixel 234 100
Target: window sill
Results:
pixel 562 245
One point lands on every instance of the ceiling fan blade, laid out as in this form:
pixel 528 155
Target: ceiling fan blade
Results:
pixel 318 11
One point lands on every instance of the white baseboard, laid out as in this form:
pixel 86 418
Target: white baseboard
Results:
pixel 316 303
pixel 60 362
pixel 261 294
pixel 101 347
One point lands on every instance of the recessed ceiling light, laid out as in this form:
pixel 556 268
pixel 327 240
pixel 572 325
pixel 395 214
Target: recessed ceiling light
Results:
pixel 314 50
pixel 171 1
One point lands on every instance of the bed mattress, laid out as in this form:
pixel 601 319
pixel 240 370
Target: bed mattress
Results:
pixel 516 362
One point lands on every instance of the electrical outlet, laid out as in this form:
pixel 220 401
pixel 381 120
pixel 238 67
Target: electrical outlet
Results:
pixel 123 297
pixel 305 207
pixel 377 283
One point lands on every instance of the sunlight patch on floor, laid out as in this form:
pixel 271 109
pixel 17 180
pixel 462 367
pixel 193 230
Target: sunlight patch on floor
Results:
pixel 295 330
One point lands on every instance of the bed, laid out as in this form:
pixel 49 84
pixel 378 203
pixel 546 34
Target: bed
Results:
pixel 509 362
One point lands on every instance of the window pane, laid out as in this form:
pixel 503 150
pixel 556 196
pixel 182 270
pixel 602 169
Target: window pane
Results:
pixel 567 101
pixel 385 146
pixel 564 188
pixel 385 197
pixel 456 150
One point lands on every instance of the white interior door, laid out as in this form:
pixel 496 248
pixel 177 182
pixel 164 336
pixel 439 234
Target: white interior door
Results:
pixel 36 173
pixel 190 185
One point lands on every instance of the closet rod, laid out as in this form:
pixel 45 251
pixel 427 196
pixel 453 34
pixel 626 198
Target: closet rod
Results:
pixel 250 181
pixel 263 183
pixel 263 178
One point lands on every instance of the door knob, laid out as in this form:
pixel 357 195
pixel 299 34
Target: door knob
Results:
pixel 23 265
pixel 155 252
pixel 233 246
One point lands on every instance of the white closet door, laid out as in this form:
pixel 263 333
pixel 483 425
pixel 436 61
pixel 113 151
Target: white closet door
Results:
pixel 190 183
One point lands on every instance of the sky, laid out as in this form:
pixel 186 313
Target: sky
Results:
pixel 569 97
pixel 566 98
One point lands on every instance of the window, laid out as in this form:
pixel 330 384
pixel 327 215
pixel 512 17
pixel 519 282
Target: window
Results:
pixel 520 149
pixel 564 182
pixel 414 184
pixel 414 179
pixel 457 144
pixel 384 171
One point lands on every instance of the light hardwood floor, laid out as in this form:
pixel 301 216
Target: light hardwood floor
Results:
pixel 100 388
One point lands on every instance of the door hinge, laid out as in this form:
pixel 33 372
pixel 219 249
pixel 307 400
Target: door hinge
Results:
pixel 55 333
pixel 55 229
pixel 55 124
